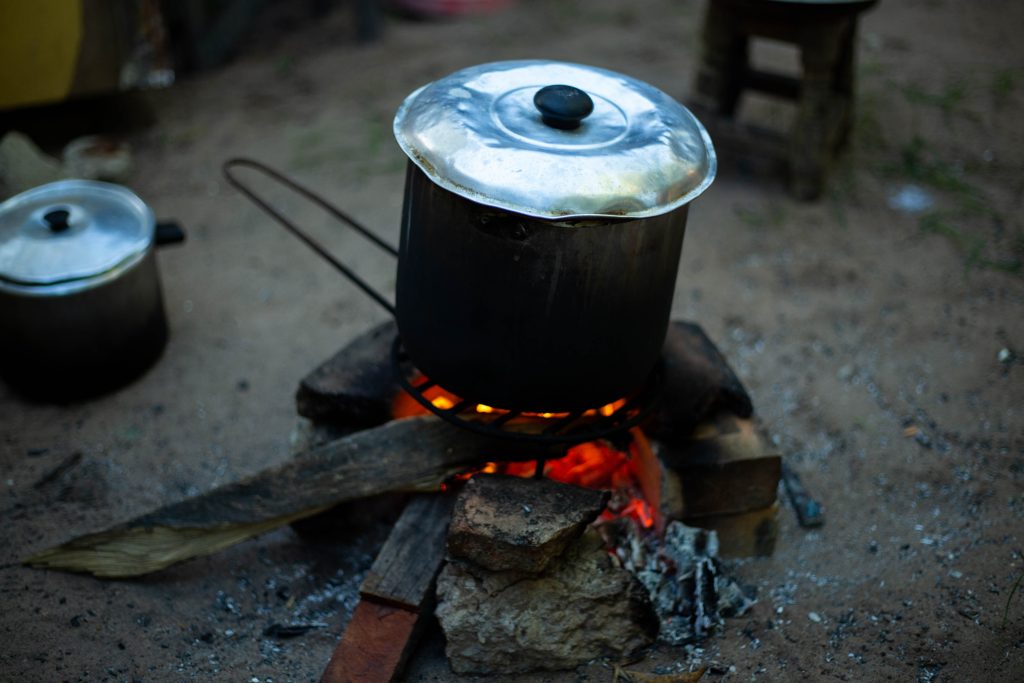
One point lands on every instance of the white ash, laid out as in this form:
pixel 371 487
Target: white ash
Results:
pixel 683 577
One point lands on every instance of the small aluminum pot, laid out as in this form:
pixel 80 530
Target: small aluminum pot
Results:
pixel 81 309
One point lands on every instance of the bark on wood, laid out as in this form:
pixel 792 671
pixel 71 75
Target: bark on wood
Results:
pixel 699 384
pixel 413 454
pixel 399 587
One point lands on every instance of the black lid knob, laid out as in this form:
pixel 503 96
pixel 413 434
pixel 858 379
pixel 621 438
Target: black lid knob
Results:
pixel 563 106
pixel 57 220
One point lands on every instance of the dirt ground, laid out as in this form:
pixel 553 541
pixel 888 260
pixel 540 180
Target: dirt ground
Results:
pixel 882 348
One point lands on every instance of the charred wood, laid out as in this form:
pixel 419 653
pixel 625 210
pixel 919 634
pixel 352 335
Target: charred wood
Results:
pixel 413 454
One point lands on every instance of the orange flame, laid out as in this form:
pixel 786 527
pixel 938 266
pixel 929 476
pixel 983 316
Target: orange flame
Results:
pixel 633 475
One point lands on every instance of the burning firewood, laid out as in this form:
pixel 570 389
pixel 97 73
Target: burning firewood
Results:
pixel 414 454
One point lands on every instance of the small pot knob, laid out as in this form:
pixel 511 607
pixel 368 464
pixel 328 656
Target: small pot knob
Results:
pixel 563 106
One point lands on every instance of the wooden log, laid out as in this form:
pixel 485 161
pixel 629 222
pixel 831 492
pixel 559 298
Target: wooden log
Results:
pixel 699 384
pixel 355 387
pixel 724 468
pixel 413 454
pixel 399 587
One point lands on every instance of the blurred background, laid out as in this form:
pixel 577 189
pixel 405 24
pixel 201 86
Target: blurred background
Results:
pixel 878 324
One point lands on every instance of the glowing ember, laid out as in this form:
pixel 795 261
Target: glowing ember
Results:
pixel 405 406
pixel 599 465
pixel 633 476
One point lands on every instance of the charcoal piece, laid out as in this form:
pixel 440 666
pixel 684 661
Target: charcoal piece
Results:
pixel 699 384
pixel 685 581
pixel 582 607
pixel 809 511
pixel 284 631
pixel 509 523
pixel 356 386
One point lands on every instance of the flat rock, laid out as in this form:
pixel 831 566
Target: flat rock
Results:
pixel 584 606
pixel 507 523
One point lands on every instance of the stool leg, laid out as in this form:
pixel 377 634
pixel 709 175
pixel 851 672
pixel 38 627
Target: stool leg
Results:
pixel 813 132
pixel 846 84
pixel 723 60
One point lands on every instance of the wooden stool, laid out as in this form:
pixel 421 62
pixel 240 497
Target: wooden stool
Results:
pixel 823 31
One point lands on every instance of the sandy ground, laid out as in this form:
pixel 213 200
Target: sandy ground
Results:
pixel 870 339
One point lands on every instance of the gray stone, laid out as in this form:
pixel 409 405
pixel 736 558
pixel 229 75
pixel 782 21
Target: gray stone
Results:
pixel 513 524
pixel 583 607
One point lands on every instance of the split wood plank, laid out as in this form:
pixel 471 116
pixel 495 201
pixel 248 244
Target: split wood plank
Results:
pixel 376 644
pixel 725 468
pixel 413 454
pixel 399 587
pixel 407 565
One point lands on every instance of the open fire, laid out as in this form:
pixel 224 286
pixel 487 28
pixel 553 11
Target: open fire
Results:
pixel 631 472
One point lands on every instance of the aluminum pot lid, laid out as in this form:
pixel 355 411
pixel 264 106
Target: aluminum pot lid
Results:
pixel 71 230
pixel 556 140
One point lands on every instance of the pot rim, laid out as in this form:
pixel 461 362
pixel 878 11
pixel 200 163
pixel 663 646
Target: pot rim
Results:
pixel 459 132
pixel 81 199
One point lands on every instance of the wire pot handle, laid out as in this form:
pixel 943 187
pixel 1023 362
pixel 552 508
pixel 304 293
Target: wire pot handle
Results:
pixel 242 162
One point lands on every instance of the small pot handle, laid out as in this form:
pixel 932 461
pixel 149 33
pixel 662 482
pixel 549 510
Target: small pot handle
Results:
pixel 231 164
pixel 168 232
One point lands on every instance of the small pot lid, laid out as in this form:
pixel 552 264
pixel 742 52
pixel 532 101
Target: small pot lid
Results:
pixel 71 230
pixel 556 140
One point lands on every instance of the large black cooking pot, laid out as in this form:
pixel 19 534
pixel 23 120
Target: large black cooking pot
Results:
pixel 544 213
pixel 532 314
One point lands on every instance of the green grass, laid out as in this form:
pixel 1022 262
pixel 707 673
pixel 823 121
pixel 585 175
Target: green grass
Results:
pixel 771 216
pixel 951 100
pixel 964 221
pixel 1004 84
pixel 919 162
pixel 973 246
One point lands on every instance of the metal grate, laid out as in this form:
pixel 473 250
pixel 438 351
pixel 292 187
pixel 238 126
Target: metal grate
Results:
pixel 567 429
